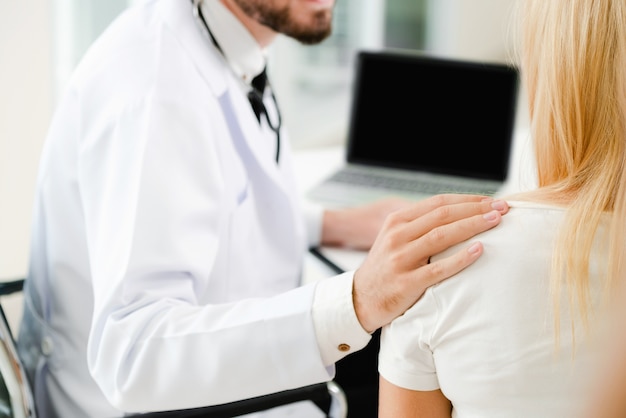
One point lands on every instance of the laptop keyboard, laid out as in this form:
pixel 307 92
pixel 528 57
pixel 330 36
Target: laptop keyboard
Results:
pixel 430 186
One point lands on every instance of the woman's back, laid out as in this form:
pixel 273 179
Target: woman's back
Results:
pixel 486 337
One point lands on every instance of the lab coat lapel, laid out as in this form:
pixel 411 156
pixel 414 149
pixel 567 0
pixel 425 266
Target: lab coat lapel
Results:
pixel 252 134
pixel 245 130
pixel 194 38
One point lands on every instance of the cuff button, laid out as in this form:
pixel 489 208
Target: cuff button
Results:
pixel 343 347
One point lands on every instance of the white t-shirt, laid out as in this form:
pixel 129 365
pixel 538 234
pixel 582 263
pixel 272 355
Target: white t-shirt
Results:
pixel 486 336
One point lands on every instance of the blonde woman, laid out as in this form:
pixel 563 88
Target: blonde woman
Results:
pixel 515 334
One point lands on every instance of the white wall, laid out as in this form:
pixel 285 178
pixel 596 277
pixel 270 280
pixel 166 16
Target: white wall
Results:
pixel 25 109
pixel 470 28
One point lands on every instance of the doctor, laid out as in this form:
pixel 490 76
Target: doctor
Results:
pixel 168 239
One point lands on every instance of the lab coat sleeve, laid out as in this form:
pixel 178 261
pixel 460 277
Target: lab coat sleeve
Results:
pixel 151 187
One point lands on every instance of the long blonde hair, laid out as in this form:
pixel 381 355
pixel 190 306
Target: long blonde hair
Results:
pixel 573 65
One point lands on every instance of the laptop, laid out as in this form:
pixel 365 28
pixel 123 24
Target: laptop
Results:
pixel 421 125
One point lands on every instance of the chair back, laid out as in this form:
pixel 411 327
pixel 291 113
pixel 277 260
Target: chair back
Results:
pixel 16 396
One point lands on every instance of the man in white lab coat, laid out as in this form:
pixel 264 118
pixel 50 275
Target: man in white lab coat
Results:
pixel 168 239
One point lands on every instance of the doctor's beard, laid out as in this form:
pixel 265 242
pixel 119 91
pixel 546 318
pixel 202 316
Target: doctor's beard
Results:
pixel 309 27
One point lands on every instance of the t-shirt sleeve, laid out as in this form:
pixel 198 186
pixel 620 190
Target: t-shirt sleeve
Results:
pixel 405 357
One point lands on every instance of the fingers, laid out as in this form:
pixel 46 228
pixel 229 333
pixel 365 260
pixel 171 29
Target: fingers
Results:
pixel 441 226
pixel 414 226
pixel 396 271
pixel 419 209
pixel 444 236
pixel 437 271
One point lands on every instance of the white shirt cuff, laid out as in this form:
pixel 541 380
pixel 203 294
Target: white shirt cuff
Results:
pixel 337 328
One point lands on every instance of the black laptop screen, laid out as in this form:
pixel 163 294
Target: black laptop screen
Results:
pixel 439 115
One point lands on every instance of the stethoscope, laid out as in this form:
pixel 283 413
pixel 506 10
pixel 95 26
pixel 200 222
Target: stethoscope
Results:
pixel 254 95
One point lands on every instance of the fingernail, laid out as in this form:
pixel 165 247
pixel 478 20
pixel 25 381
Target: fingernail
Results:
pixel 474 248
pixel 491 216
pixel 498 205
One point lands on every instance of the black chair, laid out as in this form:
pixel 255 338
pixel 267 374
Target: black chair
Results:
pixel 16 397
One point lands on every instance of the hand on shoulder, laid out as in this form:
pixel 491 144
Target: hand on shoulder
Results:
pixel 397 271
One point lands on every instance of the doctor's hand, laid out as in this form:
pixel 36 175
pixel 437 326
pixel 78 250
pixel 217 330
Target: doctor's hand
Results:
pixel 397 270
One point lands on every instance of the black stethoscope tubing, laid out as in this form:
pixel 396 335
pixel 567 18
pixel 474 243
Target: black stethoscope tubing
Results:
pixel 257 96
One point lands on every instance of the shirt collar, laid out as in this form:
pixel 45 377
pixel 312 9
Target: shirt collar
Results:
pixel 240 49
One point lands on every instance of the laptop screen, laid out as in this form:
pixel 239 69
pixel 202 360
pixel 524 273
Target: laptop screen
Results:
pixel 419 112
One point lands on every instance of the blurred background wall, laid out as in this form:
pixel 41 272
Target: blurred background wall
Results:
pixel 42 40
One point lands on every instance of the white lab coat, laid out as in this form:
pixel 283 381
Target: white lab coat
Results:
pixel 167 243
